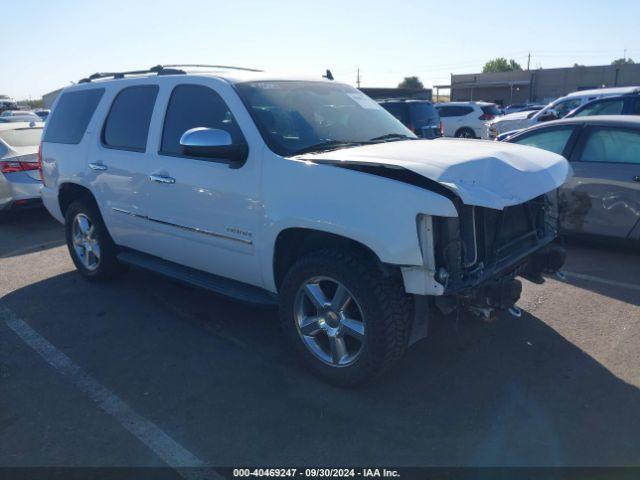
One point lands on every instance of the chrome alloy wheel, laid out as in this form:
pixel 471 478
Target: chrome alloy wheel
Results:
pixel 85 242
pixel 329 321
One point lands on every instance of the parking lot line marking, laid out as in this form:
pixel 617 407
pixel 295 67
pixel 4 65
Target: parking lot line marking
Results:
pixel 170 451
pixel 613 283
pixel 34 249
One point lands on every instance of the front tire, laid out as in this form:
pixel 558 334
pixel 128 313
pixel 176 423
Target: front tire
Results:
pixel 91 248
pixel 343 317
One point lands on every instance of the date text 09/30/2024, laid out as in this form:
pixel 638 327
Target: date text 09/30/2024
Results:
pixel 316 472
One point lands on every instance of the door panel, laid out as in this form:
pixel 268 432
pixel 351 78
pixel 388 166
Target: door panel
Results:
pixel 207 217
pixel 119 189
pixel 119 164
pixel 602 197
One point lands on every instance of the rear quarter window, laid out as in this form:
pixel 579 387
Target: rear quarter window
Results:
pixel 612 145
pixel 127 124
pixel 68 121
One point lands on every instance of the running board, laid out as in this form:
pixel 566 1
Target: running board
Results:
pixel 197 278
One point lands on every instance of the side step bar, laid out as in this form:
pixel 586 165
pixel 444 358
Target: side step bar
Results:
pixel 214 283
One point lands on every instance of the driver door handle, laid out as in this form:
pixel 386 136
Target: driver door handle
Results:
pixel 162 179
pixel 97 166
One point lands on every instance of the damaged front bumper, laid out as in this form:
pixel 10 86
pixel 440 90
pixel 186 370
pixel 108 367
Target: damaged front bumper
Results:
pixel 473 260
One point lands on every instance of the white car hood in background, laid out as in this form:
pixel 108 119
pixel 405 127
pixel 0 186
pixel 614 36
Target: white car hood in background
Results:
pixel 514 116
pixel 487 174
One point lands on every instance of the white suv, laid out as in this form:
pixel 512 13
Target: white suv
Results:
pixel 302 192
pixel 466 119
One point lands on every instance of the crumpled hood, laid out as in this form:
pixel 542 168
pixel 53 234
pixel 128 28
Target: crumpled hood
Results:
pixel 487 174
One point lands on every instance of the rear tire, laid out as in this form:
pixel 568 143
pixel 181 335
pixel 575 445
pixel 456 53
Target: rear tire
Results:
pixel 91 247
pixel 345 346
pixel 465 133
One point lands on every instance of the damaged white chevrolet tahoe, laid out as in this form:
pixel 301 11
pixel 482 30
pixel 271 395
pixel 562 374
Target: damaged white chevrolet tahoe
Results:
pixel 302 192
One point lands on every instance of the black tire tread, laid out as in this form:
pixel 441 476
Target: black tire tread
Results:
pixel 392 324
pixel 109 267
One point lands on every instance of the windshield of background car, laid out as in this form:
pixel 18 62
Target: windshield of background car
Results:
pixel 423 113
pixel 565 107
pixel 21 137
pixel 491 110
pixel 295 115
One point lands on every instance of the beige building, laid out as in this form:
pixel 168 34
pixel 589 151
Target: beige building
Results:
pixel 540 86
pixel 49 98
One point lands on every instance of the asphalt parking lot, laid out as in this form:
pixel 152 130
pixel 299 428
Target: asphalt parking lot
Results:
pixel 558 386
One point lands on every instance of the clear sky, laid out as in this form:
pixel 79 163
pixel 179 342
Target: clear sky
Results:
pixel 48 43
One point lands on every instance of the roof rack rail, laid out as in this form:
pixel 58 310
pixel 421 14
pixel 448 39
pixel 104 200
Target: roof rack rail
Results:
pixel 173 69
pixel 100 75
pixel 226 67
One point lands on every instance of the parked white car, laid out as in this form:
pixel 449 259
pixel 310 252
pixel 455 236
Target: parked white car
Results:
pixel 20 180
pixel 302 192
pixel 466 119
pixel 553 111
pixel 9 116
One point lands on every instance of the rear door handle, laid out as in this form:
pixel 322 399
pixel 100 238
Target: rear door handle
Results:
pixel 636 178
pixel 162 179
pixel 97 166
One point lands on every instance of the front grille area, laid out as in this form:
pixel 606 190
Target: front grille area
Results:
pixel 484 241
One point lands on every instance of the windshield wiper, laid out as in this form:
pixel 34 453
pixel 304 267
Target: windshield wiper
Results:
pixel 392 136
pixel 328 145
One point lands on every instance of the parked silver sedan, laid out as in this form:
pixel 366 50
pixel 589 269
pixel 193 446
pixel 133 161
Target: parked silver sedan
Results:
pixel 20 180
pixel 603 196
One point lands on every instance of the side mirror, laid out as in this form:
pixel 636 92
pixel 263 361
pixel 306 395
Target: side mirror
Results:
pixel 213 143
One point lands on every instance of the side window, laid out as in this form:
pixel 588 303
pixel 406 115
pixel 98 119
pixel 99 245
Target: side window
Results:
pixel 192 106
pixel 68 121
pixel 455 111
pixel 444 111
pixel 553 140
pixel 608 107
pixel 635 110
pixel 127 124
pixel 612 145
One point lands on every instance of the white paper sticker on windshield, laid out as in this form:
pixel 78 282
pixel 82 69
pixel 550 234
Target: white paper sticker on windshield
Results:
pixel 364 101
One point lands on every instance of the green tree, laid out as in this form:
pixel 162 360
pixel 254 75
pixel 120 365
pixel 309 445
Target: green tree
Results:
pixel 619 62
pixel 411 83
pixel 31 103
pixel 501 64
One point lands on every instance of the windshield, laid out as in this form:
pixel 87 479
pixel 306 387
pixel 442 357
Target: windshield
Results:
pixel 423 114
pixel 491 110
pixel 301 116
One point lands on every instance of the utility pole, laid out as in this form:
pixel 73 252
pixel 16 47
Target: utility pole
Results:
pixel 528 61
pixel 358 78
pixel 625 55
